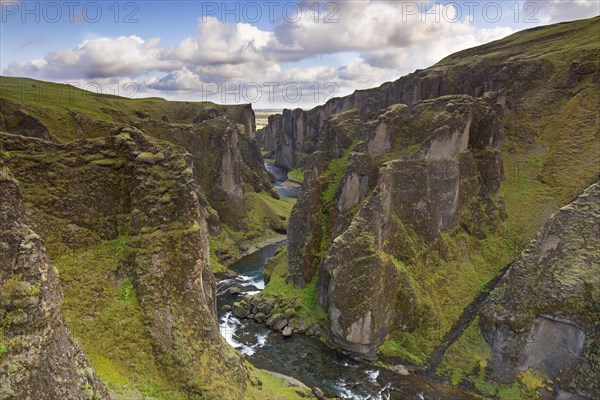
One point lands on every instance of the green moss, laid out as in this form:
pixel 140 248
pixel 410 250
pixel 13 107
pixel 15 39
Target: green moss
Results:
pixel 348 122
pixel 222 247
pixel 551 42
pixel 396 348
pixel 468 356
pixel 267 215
pixel 104 316
pixel 126 291
pixel 272 388
pixel 541 175
pixel 306 297
pixel 63 108
pixel 334 174
pixel 297 174
pixel 3 346
pixel 4 326
pixel 413 148
pixel 466 362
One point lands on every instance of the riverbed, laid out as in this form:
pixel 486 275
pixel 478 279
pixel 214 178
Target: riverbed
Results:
pixel 308 359
pixel 282 185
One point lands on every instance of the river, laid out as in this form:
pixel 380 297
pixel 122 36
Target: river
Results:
pixel 281 184
pixel 305 358
pixel 308 359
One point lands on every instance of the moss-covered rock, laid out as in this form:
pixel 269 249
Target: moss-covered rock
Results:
pixel 38 356
pixel 453 170
pixel 543 315
pixel 227 161
pixel 147 198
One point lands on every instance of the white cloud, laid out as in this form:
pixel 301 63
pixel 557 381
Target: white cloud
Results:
pixel 98 58
pixel 221 43
pixel 385 44
pixel 382 32
pixel 552 11
pixel 182 79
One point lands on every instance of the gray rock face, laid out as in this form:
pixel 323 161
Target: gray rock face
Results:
pixel 304 232
pixel 554 345
pixel 227 160
pixel 543 314
pixel 364 292
pixel 354 188
pixel 175 289
pixel 426 193
pixel 286 137
pixel 227 194
pixel 287 149
pixel 39 358
pixel 356 287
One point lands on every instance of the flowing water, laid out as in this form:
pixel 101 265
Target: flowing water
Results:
pixel 308 359
pixel 282 185
pixel 305 358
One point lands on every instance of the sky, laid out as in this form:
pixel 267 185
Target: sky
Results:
pixel 273 54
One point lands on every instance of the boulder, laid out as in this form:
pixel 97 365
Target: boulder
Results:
pixel 287 331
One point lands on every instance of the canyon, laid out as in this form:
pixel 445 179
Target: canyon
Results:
pixel 446 227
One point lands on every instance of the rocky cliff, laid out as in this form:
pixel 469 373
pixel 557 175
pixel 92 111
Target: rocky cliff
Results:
pixel 228 164
pixel 419 192
pixel 544 313
pixel 130 189
pixel 410 176
pixel 508 69
pixel 38 356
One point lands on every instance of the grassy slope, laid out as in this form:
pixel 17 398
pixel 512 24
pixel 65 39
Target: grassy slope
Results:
pixel 103 313
pixel 100 306
pixel 549 42
pixel 266 216
pixel 55 104
pixel 551 153
pixel 540 178
pixel 305 298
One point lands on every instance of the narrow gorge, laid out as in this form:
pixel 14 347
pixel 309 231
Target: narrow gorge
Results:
pixel 419 194
pixel 437 237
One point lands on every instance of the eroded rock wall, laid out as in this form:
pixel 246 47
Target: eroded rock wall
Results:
pixel 131 184
pixel 38 357
pixel 360 218
pixel 543 314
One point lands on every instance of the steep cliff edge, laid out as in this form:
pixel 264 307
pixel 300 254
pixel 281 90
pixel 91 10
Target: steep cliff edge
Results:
pixel 419 192
pixel 126 226
pixel 544 313
pixel 228 164
pixel 509 67
pixel 38 357
pixel 386 224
